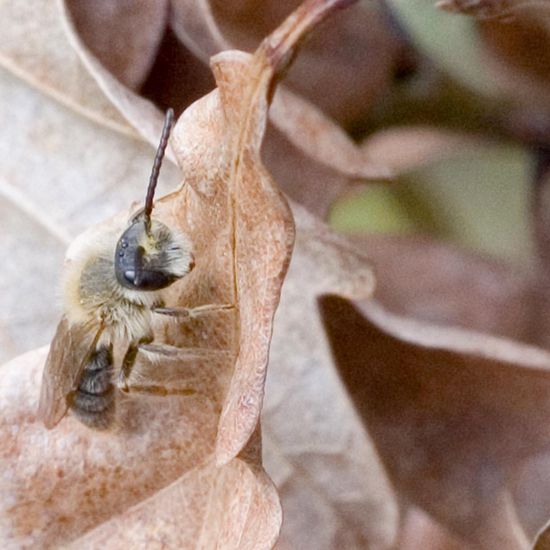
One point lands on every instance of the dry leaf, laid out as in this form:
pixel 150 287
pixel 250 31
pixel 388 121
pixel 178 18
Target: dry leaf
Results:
pixel 34 47
pixel 453 413
pixel 304 180
pixel 432 281
pixel 495 431
pixel 420 531
pixel 155 478
pixel 123 35
pixel 531 495
pixel 311 131
pixel 138 111
pixel 514 40
pixel 40 46
pixel 321 141
pixel 353 56
pixel 228 206
pixel 516 53
pixel 504 10
pixel 402 149
pixel 333 490
pixel 239 223
pixel 457 419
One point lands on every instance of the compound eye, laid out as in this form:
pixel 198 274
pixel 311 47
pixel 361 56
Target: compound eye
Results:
pixel 129 255
pixel 132 268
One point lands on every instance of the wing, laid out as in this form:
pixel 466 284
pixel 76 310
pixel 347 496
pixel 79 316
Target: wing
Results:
pixel 70 347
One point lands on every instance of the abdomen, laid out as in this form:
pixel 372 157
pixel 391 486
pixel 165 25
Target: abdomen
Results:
pixel 94 400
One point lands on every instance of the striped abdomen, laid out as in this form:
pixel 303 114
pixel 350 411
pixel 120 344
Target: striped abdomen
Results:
pixel 94 400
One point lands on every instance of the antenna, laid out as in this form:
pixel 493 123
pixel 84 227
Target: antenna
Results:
pixel 168 123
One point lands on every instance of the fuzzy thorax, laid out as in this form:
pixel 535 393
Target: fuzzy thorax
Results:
pixel 91 292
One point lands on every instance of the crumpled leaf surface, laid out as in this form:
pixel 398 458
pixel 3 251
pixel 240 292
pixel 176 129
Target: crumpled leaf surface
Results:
pixel 124 35
pixel 61 483
pixel 34 47
pixel 353 56
pixel 242 232
pixel 307 127
pixel 333 490
pixel 183 466
pixel 254 222
pixel 431 460
pixel 457 416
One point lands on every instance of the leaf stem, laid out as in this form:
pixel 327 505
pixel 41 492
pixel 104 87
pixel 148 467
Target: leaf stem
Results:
pixel 279 48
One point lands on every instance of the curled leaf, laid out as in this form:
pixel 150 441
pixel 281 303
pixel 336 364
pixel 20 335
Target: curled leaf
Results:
pixel 408 148
pixel 34 47
pixel 205 27
pixel 253 218
pixel 123 35
pixel 152 483
pixel 190 461
pixel 334 490
pixel 449 445
pixel 323 140
pixel 353 56
pixel 140 113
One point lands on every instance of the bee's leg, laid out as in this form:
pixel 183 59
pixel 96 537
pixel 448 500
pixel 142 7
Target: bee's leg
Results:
pixel 158 390
pixel 161 361
pixel 129 361
pixel 186 312
pixel 170 370
pixel 159 351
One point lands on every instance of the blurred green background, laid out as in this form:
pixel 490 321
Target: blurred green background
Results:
pixel 479 200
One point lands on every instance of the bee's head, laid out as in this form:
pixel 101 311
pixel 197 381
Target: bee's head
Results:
pixel 149 255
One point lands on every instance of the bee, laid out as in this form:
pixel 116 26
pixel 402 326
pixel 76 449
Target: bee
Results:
pixel 112 288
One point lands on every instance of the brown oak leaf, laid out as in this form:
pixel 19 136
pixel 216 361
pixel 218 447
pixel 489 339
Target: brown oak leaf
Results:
pixel 334 492
pixel 354 55
pixel 242 232
pixel 321 145
pixel 124 35
pixel 512 37
pixel 456 409
pixel 452 413
pixel 34 47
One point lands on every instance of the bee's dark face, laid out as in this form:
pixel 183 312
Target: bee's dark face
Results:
pixel 150 260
